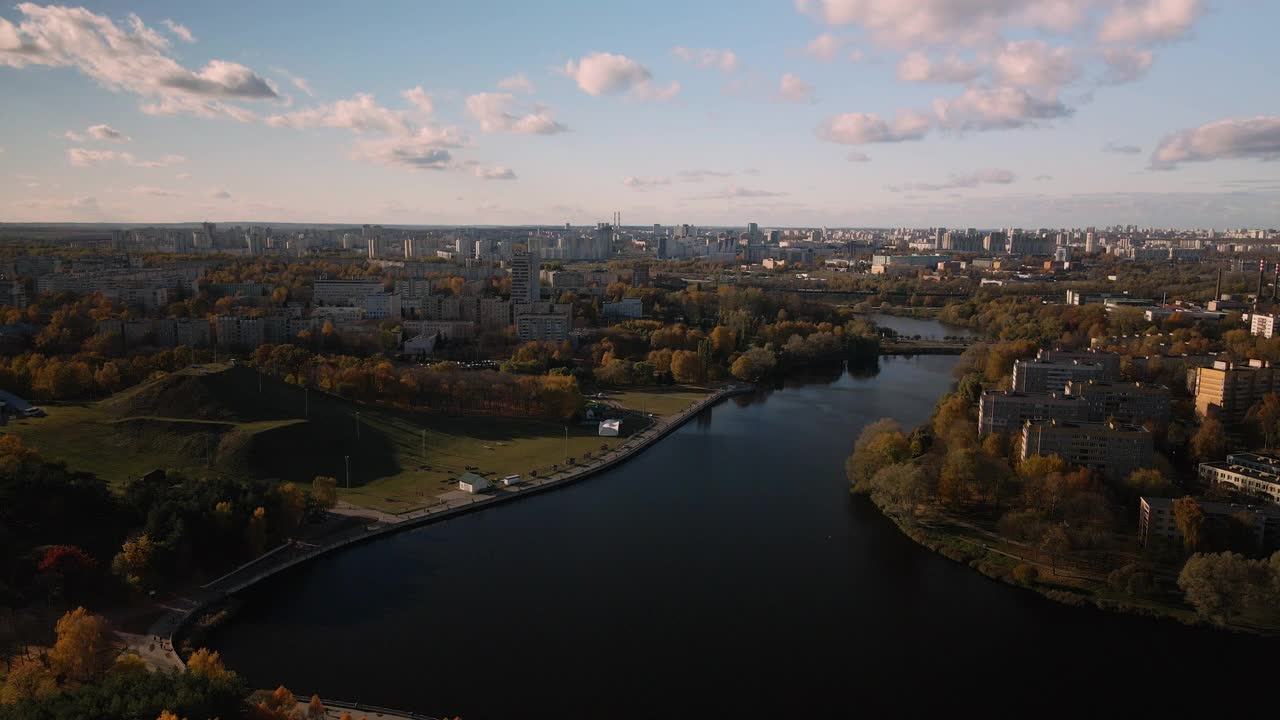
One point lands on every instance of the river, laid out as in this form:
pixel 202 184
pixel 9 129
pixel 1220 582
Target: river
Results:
pixel 724 572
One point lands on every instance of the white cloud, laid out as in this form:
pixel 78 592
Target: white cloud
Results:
pixel 639 183
pixel 179 30
pixel 1033 64
pixel 153 191
pixel 108 133
pixel 1150 20
pixel 493 112
pixel 419 99
pixel 793 89
pixel 84 157
pixel 987 108
pixel 723 60
pixel 497 172
pixel 734 192
pixel 1126 65
pixel 428 149
pixel 857 157
pixel 1121 149
pixel 182 176
pixel 602 73
pixel 988 176
pixel 132 59
pixel 519 83
pixel 699 175
pixel 220 195
pixel 825 47
pixel 917 67
pixel 360 114
pixel 905 23
pixel 74 136
pixel 863 128
pixel 296 80
pixel 1257 137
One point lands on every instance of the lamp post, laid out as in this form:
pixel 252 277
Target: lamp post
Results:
pixel 347 459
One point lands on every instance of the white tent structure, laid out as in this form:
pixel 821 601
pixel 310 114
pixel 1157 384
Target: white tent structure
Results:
pixel 610 428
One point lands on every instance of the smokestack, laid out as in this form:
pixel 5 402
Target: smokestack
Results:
pixel 1275 284
pixel 1262 273
pixel 1217 289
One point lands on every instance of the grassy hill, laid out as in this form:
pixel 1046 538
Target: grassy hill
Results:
pixel 220 419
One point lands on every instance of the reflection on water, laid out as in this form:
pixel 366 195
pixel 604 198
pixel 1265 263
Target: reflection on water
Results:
pixel 724 572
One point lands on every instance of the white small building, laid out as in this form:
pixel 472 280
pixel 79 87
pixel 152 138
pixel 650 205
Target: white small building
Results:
pixel 473 483
pixel 510 480
pixel 610 428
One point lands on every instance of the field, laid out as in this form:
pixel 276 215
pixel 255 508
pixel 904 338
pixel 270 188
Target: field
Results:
pixel 660 401
pixel 221 420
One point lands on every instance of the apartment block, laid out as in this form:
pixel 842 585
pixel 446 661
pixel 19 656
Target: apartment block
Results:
pixel 344 292
pixel 1113 449
pixel 1157 523
pixel 1034 376
pixel 1129 403
pixel 1005 412
pixel 1227 391
pixel 1109 361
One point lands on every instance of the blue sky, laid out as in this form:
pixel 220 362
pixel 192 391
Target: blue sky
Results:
pixel 835 112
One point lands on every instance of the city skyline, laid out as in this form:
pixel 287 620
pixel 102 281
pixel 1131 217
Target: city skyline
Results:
pixel 1034 113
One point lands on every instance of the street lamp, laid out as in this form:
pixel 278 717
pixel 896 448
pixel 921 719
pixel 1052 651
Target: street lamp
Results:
pixel 347 460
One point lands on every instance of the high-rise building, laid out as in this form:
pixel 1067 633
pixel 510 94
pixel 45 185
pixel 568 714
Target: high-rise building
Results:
pixel 524 278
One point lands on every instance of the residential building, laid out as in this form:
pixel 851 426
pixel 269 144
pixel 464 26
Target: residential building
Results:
pixel 1158 525
pixel 543 327
pixel 495 312
pixel 1129 403
pixel 1034 376
pixel 1108 360
pixel 624 309
pixel 382 306
pixel 1251 474
pixel 1261 325
pixel 344 292
pixel 1227 391
pixel 524 278
pixel 1005 412
pixel 1113 449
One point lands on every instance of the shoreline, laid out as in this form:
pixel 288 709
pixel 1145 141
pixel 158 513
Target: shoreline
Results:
pixel 176 624
pixel 982 564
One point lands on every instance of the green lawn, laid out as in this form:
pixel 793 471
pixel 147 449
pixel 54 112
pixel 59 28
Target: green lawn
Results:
pixel 259 432
pixel 659 401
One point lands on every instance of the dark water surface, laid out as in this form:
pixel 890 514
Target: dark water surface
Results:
pixel 725 572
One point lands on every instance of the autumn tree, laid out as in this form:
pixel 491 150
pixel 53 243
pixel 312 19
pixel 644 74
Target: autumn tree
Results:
pixel 1223 585
pixel 84 647
pixel 687 367
pixel 293 507
pixel 753 365
pixel 256 531
pixel 1265 416
pixel 1148 482
pixel 207 664
pixel 28 679
pixel 324 490
pixel 134 560
pixel 881 444
pixel 1209 441
pixel 1191 519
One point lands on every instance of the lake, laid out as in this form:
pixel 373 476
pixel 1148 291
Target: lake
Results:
pixel 724 572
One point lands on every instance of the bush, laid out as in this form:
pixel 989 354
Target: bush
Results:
pixel 1025 574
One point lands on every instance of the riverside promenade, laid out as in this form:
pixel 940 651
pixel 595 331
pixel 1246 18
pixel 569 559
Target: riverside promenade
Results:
pixel 181 613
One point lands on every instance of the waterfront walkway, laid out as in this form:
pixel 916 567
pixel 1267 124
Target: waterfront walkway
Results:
pixel 182 611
